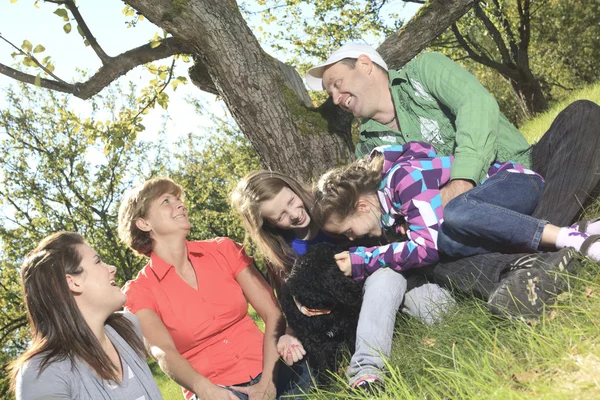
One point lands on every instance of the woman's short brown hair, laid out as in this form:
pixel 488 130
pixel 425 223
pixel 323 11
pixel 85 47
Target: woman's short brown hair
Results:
pixel 136 204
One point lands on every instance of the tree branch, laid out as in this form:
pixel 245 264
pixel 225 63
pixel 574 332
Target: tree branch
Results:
pixel 13 326
pixel 16 206
pixel 430 22
pixel 476 57
pixel 496 35
pixel 105 58
pixel 112 70
pixel 524 28
pixel 34 59
pixel 506 24
pixel 156 94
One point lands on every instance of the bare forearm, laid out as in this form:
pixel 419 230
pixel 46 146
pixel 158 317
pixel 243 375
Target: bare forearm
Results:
pixel 181 371
pixel 274 329
pixel 455 188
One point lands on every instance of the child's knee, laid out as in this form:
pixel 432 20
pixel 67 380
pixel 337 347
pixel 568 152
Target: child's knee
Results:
pixel 428 302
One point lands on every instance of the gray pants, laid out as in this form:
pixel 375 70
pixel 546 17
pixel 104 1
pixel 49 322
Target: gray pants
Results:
pixel 384 291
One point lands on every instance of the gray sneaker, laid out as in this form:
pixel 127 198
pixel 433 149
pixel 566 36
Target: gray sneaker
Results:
pixel 531 282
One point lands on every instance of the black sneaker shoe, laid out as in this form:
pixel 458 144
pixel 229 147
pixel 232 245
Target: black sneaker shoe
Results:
pixel 532 282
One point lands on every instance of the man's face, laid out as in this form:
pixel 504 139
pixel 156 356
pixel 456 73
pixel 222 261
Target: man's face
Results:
pixel 352 88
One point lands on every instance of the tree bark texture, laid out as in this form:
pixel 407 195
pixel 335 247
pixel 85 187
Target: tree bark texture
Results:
pixel 287 135
pixel 429 23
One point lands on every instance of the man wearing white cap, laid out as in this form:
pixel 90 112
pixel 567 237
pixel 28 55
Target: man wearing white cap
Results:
pixel 433 99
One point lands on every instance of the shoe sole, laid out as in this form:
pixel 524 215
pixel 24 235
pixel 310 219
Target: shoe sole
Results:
pixel 526 291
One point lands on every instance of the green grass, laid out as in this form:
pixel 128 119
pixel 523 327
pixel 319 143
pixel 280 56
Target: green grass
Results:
pixel 472 355
pixel 535 128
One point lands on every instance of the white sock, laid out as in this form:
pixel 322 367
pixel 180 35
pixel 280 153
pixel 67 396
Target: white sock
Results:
pixel 567 237
pixel 592 229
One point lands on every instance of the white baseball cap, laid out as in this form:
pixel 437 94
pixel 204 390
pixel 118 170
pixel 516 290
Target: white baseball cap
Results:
pixel 349 50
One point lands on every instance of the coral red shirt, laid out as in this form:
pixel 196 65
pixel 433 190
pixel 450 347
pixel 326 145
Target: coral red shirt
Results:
pixel 210 326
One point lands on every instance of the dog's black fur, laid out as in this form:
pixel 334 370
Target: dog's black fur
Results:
pixel 317 283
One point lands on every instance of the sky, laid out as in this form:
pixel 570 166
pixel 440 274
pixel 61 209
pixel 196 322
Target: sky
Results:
pixel 21 20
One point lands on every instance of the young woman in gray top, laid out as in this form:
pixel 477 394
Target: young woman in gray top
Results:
pixel 80 348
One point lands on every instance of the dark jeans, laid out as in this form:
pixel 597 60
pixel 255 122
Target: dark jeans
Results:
pixel 494 217
pixel 292 382
pixel 568 157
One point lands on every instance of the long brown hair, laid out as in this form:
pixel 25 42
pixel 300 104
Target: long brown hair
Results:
pixel 59 330
pixel 339 189
pixel 246 198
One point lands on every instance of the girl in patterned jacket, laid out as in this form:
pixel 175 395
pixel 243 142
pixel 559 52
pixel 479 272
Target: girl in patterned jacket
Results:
pixel 396 193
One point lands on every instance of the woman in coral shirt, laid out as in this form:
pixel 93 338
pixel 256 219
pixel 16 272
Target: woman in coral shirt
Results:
pixel 191 300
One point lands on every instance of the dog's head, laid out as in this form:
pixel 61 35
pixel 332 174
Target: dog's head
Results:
pixel 320 303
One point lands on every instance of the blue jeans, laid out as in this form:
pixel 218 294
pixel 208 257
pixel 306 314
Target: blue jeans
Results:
pixel 292 381
pixel 494 217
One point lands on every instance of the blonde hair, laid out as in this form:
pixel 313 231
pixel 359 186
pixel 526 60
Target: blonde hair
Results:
pixel 339 189
pixel 136 204
pixel 246 199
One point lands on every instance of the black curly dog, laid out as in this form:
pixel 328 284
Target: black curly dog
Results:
pixel 317 286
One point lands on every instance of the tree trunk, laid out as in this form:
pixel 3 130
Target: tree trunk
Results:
pixel 266 97
pixel 529 93
pixel 429 23
pixel 270 109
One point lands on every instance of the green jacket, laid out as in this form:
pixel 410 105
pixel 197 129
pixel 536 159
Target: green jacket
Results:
pixel 439 102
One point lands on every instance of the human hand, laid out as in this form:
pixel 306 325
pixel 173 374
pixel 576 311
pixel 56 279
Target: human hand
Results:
pixel 263 390
pixel 290 349
pixel 216 392
pixel 344 263
pixel 455 188
pixel 402 228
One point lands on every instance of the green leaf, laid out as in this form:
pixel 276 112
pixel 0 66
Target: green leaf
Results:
pixel 13 1
pixel 67 27
pixel 86 42
pixel 29 62
pixel 128 11
pixel 39 48
pixel 163 100
pixel 27 46
pixel 38 80
pixel 50 67
pixel 61 12
pixel 155 43
pixel 45 60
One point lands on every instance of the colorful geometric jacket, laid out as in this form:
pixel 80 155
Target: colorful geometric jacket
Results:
pixel 412 176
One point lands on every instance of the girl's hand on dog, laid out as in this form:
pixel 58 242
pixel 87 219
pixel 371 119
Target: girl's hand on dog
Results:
pixel 290 349
pixel 343 262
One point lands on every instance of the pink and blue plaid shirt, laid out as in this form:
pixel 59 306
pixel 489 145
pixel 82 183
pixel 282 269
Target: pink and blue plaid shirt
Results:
pixel 412 176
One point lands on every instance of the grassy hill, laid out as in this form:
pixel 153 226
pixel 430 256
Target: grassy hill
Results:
pixel 472 355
